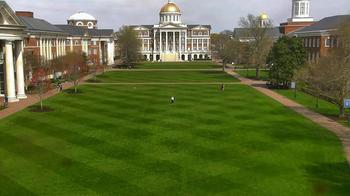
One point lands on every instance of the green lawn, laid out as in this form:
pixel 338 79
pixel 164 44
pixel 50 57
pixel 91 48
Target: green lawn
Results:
pixel 325 108
pixel 180 65
pixel 165 76
pixel 264 74
pixel 128 140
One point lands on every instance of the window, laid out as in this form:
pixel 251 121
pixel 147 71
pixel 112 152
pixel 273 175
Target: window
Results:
pixel 79 23
pixel 90 25
pixel 302 8
pixel 296 9
pixel 327 42
pixel 335 43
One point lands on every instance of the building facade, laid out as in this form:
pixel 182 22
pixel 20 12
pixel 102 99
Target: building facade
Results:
pixel 321 37
pixel 23 35
pixel 172 40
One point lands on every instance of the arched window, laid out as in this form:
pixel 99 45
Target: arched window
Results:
pixel 90 25
pixel 79 23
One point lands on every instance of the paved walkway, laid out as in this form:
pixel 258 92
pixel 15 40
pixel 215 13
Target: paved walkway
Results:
pixel 33 99
pixel 341 131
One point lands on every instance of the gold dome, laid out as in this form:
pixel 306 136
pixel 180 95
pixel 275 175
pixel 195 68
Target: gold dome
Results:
pixel 264 16
pixel 170 7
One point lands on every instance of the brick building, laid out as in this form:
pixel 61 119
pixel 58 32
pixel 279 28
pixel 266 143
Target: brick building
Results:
pixel 321 37
pixel 22 34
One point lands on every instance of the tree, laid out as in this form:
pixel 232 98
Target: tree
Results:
pixel 40 82
pixel 75 67
pixel 31 62
pixel 225 48
pixel 286 57
pixel 330 75
pixel 129 45
pixel 261 43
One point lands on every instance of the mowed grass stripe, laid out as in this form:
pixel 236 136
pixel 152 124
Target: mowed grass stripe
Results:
pixel 236 142
pixel 179 65
pixel 165 77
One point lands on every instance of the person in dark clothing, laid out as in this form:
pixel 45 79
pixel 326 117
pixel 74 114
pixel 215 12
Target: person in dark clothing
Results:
pixel 222 87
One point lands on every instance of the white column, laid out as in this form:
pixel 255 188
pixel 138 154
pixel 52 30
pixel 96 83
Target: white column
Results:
pixel 148 43
pixel 154 42
pixel 202 44
pixel 50 49
pixel 57 51
pixel 64 47
pixel 110 52
pixel 191 44
pixel 160 42
pixel 180 41
pixel 166 42
pixel 41 47
pixel 10 73
pixel 143 44
pixel 71 45
pixel 46 49
pixel 20 71
pixel 174 45
pixel 197 44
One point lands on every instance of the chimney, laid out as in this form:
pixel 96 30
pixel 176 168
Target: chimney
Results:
pixel 25 13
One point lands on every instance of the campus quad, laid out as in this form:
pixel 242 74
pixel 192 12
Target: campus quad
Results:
pixel 119 138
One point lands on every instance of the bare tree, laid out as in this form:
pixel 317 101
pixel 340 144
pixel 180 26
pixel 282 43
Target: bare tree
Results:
pixel 128 44
pixel 331 75
pixel 261 42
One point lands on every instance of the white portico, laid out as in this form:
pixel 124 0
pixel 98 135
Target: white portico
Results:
pixel 11 55
pixel 172 40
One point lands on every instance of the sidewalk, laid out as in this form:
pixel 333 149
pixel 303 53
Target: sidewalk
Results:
pixel 341 131
pixel 33 99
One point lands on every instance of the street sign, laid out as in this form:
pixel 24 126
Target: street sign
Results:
pixel 347 103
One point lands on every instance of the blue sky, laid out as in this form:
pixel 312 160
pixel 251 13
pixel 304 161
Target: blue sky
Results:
pixel 221 14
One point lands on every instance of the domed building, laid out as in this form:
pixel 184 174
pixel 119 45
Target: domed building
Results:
pixel 83 19
pixel 172 40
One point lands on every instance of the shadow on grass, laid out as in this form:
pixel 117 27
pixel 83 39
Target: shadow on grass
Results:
pixel 330 178
pixel 38 109
pixel 94 81
pixel 72 91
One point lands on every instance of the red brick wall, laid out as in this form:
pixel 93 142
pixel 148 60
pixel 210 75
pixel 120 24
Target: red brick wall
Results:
pixel 25 13
pixel 288 27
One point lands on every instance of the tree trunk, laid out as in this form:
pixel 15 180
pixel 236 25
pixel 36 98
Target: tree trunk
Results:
pixel 257 73
pixel 75 87
pixel 342 112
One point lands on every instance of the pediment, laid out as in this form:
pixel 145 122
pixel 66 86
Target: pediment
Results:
pixel 8 16
pixel 170 26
